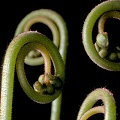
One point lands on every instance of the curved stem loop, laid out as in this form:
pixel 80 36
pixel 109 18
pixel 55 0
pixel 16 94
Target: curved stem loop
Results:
pixel 60 38
pixel 102 44
pixel 112 5
pixel 56 24
pixel 110 14
pixel 29 40
pixel 108 107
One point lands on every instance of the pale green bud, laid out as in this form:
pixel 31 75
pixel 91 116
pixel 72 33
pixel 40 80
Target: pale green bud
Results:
pixel 102 40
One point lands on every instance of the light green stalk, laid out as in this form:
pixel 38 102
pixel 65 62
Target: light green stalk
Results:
pixel 21 45
pixel 108 108
pixel 58 28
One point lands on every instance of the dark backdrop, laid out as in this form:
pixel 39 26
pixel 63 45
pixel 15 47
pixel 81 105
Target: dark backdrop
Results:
pixel 82 75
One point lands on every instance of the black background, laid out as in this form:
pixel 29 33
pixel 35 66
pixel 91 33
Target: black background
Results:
pixel 82 75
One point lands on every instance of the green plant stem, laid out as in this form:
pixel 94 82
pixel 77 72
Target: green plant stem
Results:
pixel 104 17
pixel 56 108
pixel 108 107
pixel 87 34
pixel 46 21
pixel 54 21
pixel 53 28
pixel 60 38
pixel 102 40
pixel 92 111
pixel 15 47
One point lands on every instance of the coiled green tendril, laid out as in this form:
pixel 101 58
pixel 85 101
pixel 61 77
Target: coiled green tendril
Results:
pixel 57 26
pixel 102 41
pixel 59 30
pixel 108 108
pixel 49 87
pixel 99 51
